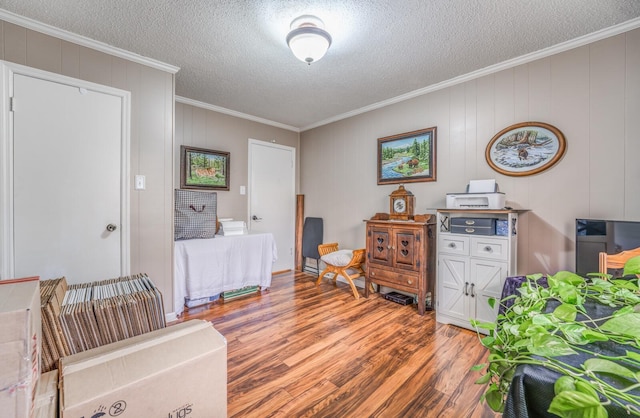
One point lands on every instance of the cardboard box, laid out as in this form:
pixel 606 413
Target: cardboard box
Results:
pixel 20 345
pixel 175 372
pixel 46 402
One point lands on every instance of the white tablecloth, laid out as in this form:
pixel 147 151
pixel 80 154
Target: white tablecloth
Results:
pixel 208 267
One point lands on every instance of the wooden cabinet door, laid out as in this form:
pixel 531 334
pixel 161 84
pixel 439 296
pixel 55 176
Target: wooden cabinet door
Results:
pixel 406 249
pixel 380 245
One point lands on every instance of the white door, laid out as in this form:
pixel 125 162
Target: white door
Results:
pixel 68 187
pixel 452 299
pixel 488 279
pixel 272 197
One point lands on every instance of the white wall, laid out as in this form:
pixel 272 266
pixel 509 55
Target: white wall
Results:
pixel 152 101
pixel 203 128
pixel 591 93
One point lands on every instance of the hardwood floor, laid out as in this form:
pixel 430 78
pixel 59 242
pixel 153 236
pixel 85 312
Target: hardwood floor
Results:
pixel 297 350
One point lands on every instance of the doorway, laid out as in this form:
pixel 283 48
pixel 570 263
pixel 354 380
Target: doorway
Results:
pixel 272 198
pixel 65 182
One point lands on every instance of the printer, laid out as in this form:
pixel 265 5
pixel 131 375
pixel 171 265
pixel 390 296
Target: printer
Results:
pixel 480 194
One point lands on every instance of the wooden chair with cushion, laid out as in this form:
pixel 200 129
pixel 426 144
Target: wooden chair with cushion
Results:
pixel 346 263
pixel 616 261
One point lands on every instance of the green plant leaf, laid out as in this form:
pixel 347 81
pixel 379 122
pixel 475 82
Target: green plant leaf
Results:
pixel 533 330
pixel 587 389
pixel 569 277
pixel 627 295
pixel 569 294
pixel 549 346
pixel 598 276
pixel 478 367
pixel 542 320
pixel 491 302
pixel 513 329
pixel 624 310
pixel 633 355
pixel 632 266
pixel 574 333
pixel 521 343
pixel 574 404
pixel 495 357
pixel 592 336
pixel 609 367
pixel 566 312
pixel 628 325
pixel 494 398
pixel 484 325
pixel 564 383
pixel 488 341
pixel 602 283
pixel 625 284
pixel 484 379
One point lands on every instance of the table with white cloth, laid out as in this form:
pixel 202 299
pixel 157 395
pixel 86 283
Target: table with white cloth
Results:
pixel 207 267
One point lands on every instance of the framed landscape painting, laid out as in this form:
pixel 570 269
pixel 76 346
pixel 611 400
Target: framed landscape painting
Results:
pixel 525 148
pixel 408 157
pixel 204 169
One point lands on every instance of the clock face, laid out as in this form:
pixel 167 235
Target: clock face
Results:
pixel 399 205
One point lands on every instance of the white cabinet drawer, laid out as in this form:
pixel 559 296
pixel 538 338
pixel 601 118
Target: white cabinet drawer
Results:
pixel 491 248
pixel 453 244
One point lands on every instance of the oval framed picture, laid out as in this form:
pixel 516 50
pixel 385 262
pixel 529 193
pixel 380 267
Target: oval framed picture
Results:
pixel 525 148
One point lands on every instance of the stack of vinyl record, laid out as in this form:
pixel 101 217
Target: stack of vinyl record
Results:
pixel 94 314
pixel 54 345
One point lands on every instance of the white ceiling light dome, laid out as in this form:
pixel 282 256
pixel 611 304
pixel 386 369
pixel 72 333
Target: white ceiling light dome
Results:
pixel 307 39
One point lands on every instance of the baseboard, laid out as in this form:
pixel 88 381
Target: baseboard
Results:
pixel 170 317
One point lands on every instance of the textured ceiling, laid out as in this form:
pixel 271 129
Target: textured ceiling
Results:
pixel 232 53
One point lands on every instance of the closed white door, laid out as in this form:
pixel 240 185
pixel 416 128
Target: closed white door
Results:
pixel 452 287
pixel 69 181
pixel 488 279
pixel 272 197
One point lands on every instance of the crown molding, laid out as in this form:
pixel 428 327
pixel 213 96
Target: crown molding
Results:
pixel 230 112
pixel 524 59
pixel 84 41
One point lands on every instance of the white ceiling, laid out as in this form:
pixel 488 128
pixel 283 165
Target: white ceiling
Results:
pixel 232 54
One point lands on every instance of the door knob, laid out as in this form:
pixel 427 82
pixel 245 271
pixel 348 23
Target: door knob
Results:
pixel 255 218
pixel 111 227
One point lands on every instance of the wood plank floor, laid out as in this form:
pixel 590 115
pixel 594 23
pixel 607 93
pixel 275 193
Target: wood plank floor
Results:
pixel 297 350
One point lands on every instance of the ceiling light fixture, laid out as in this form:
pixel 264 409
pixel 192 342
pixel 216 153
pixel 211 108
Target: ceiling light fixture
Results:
pixel 307 39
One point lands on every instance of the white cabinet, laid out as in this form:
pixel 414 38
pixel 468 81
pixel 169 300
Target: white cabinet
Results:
pixel 471 269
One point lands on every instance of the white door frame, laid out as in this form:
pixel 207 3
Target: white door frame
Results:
pixel 293 188
pixel 8 70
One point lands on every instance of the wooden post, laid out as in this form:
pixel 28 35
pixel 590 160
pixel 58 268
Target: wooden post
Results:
pixel 299 227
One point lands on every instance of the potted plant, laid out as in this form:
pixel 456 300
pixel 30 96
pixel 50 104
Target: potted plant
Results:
pixel 549 325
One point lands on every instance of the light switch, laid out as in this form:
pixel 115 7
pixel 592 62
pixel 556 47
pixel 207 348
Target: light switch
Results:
pixel 140 182
pixel 243 190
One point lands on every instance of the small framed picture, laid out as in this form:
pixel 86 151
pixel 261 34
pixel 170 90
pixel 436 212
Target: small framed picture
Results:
pixel 204 169
pixel 408 157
